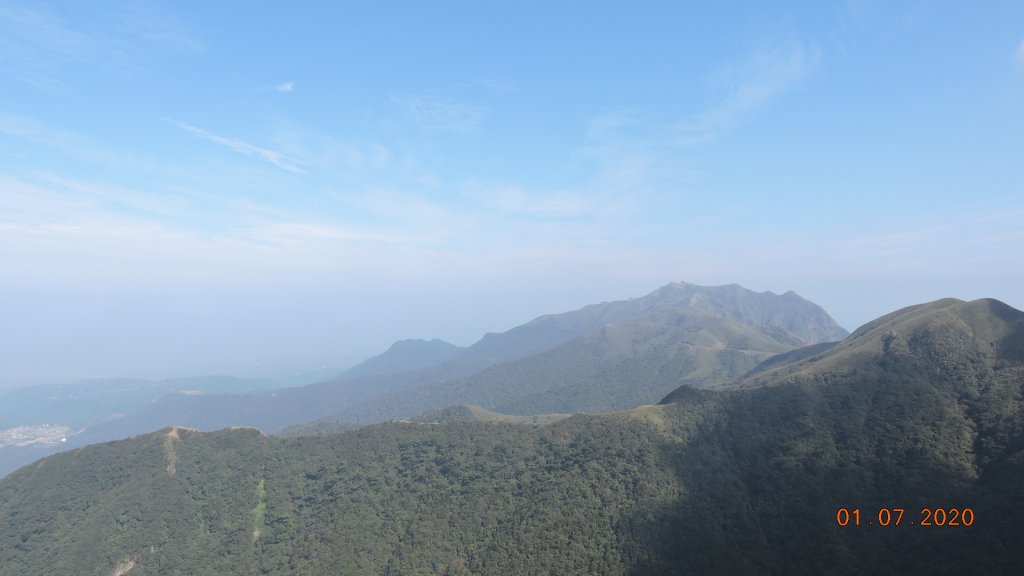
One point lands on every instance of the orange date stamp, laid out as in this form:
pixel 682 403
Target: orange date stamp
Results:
pixel 897 517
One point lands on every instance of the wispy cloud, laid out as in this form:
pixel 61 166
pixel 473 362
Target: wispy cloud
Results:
pixel 152 25
pixel 37 44
pixel 316 236
pixel 329 152
pixel 70 143
pixel 512 200
pixel 1019 57
pixel 284 87
pixel 629 163
pixel 54 219
pixel 435 113
pixel 750 86
pixel 238 145
pixel 117 196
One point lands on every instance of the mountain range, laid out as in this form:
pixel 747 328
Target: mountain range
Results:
pixel 607 356
pixel 899 450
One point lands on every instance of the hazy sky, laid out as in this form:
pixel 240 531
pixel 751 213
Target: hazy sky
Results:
pixel 193 187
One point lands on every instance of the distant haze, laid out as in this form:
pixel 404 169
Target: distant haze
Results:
pixel 189 188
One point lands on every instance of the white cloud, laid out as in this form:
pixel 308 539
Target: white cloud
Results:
pixel 284 87
pixel 439 114
pixel 1019 57
pixel 750 86
pixel 238 145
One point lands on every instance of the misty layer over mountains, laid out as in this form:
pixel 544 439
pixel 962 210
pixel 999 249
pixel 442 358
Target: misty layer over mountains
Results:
pixel 917 411
pixel 608 356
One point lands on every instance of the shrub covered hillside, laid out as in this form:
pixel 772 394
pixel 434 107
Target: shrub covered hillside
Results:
pixel 919 410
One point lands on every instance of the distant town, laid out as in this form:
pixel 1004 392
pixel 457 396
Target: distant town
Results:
pixel 44 434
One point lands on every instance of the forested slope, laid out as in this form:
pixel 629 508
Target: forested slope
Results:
pixel 714 482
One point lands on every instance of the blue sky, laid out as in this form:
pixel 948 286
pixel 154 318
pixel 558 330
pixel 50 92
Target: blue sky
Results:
pixel 194 187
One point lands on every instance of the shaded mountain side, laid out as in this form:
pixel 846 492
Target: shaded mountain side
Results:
pixel 800 450
pixel 405 356
pixel 614 367
pixel 922 408
pixel 743 481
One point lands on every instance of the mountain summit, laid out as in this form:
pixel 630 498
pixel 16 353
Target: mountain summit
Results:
pixel 801 318
pixel 788 314
pixel 612 355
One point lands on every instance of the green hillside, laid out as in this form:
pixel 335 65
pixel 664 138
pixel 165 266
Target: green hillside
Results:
pixel 743 481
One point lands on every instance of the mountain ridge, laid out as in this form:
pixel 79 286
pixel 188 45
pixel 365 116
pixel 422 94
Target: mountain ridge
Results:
pixel 503 371
pixel 370 396
pixel 607 356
